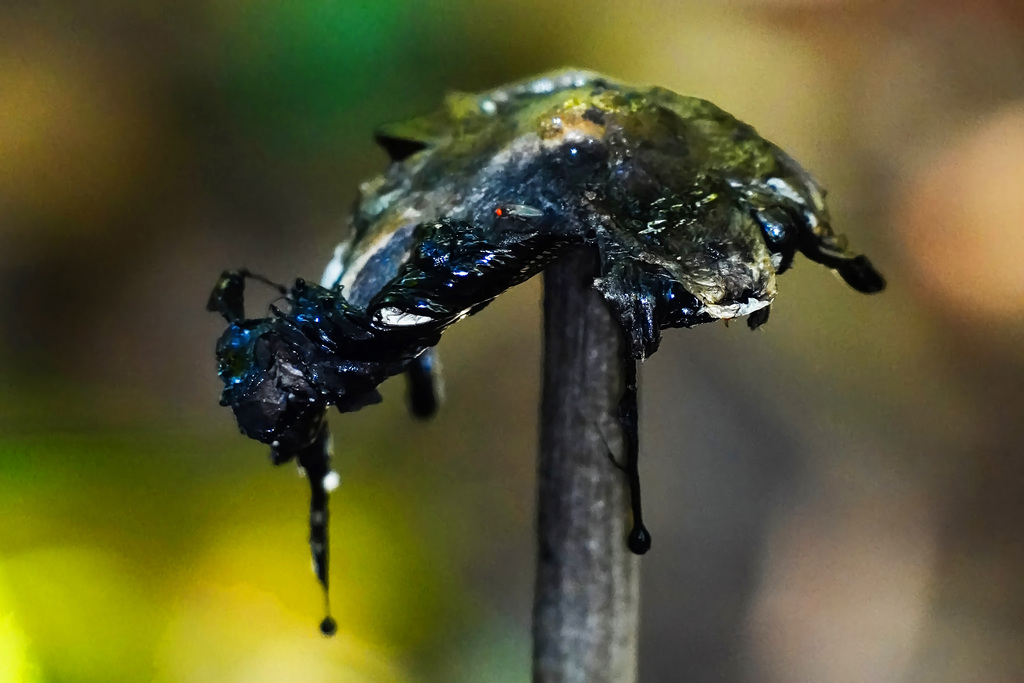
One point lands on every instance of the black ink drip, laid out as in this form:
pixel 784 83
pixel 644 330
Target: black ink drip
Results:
pixel 639 540
pixel 423 391
pixel 315 460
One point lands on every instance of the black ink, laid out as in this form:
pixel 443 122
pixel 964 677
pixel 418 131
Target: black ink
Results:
pixel 639 540
pixel 328 626
pixel 423 381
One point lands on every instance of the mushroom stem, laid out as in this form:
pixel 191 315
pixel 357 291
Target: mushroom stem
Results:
pixel 586 597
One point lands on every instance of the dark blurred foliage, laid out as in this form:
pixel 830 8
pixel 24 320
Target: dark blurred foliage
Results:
pixel 838 497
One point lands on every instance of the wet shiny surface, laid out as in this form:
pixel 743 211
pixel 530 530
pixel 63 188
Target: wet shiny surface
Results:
pixel 670 191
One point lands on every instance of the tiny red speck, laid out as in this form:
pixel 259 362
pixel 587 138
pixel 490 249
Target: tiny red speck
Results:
pixel 498 211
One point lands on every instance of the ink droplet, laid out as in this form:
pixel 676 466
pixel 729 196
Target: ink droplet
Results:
pixel 328 626
pixel 639 540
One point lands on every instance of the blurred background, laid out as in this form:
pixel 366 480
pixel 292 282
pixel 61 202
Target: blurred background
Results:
pixel 837 497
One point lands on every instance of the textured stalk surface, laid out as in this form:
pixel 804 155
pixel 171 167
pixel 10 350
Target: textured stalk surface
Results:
pixel 587 589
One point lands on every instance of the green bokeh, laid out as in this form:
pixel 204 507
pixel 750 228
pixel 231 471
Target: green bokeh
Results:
pixel 300 74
